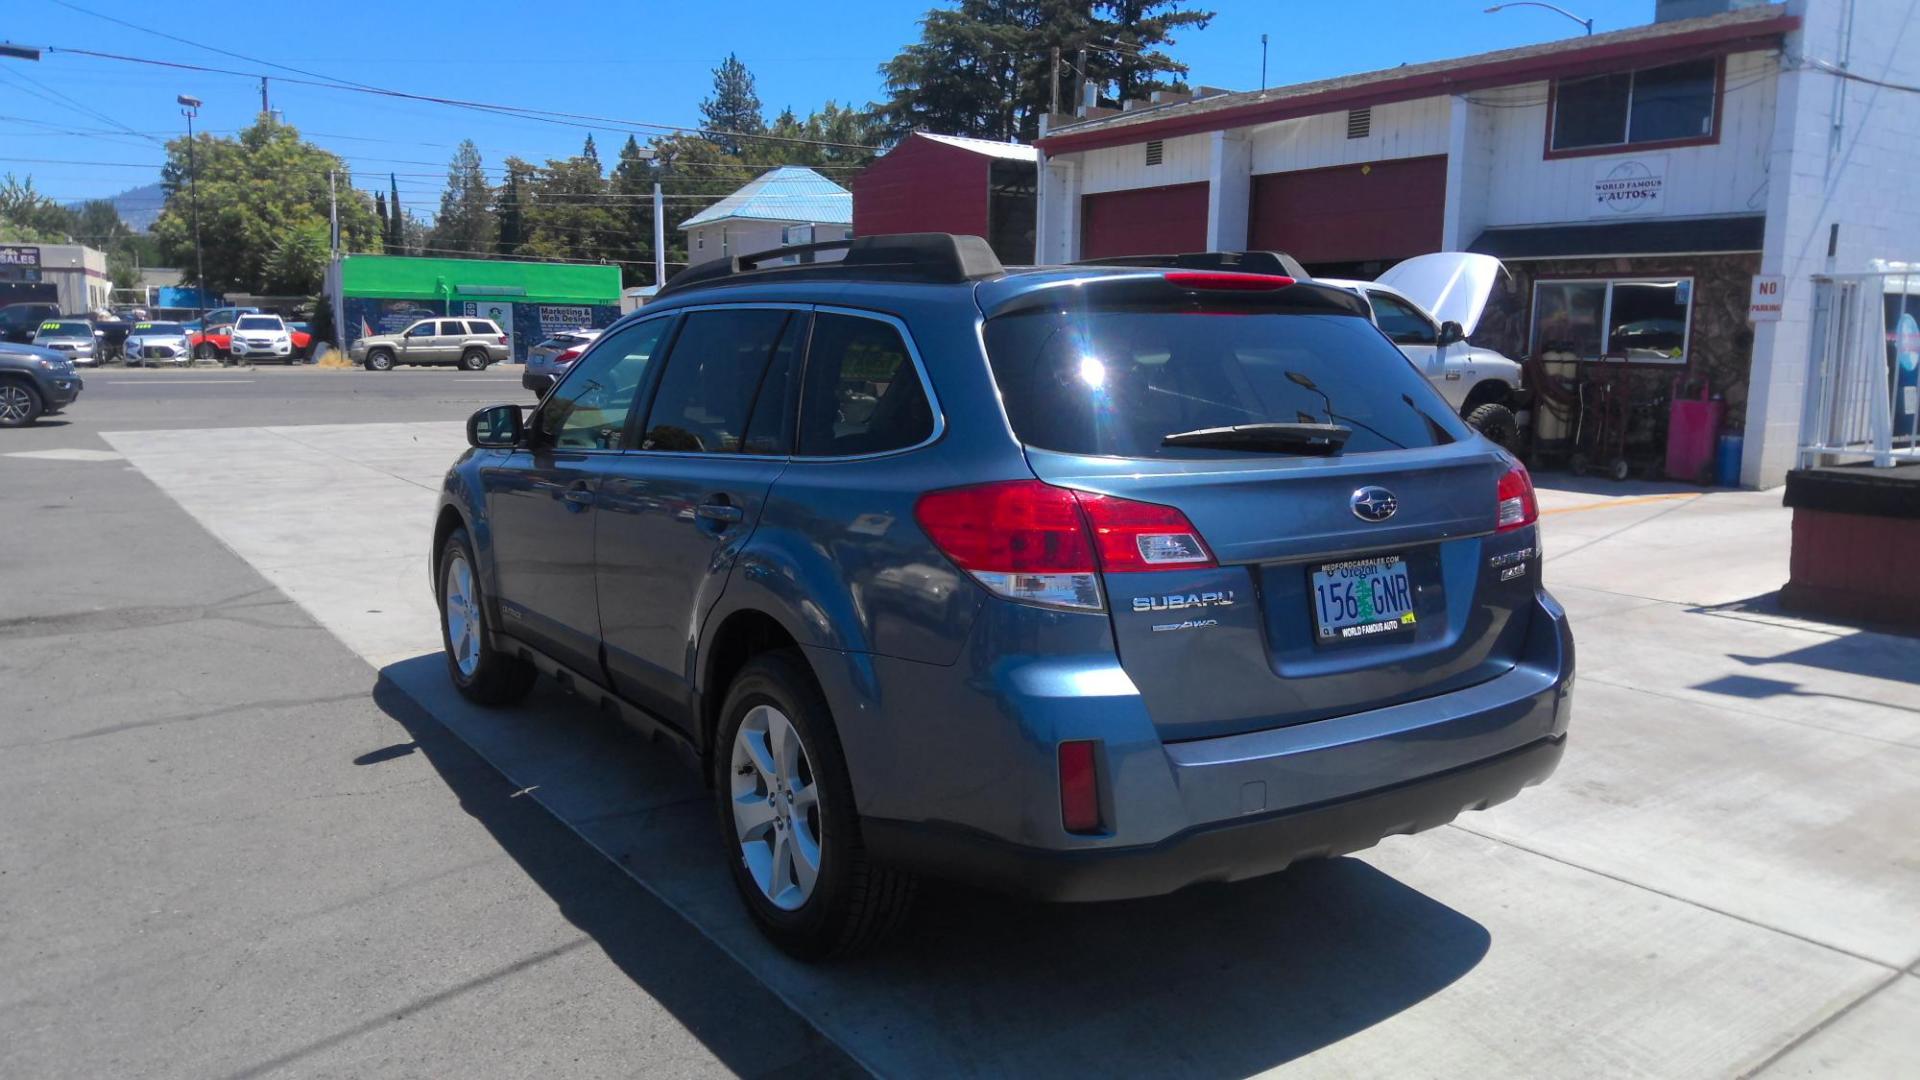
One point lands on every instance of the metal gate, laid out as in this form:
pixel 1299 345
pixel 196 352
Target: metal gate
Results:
pixel 1863 369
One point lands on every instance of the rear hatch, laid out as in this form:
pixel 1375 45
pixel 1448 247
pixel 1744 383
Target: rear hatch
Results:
pixel 1348 523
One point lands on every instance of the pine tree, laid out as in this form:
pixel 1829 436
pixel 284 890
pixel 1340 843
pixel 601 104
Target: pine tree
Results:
pixel 632 180
pixel 386 223
pixel 734 108
pixel 465 224
pixel 396 221
pixel 1139 26
pixel 591 151
pixel 510 206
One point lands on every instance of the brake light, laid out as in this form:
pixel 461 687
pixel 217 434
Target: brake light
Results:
pixel 1518 507
pixel 1038 544
pixel 1079 787
pixel 567 357
pixel 1218 280
pixel 502 339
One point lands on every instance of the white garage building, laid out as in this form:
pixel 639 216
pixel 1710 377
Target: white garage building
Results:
pixel 1635 181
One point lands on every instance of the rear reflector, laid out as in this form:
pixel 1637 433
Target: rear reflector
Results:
pixel 1210 279
pixel 1039 544
pixel 1518 507
pixel 1079 788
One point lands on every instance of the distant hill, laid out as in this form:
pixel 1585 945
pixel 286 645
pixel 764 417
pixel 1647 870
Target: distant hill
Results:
pixel 139 207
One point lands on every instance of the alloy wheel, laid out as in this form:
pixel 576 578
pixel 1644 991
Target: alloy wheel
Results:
pixel 462 613
pixel 776 807
pixel 16 404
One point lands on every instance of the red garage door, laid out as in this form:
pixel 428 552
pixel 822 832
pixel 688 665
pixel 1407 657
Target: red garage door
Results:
pixel 1149 221
pixel 1385 210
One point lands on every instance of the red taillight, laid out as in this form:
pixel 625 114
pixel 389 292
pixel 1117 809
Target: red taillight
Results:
pixel 1518 507
pixel 503 339
pixel 1039 544
pixel 1079 788
pixel 567 357
pixel 1214 279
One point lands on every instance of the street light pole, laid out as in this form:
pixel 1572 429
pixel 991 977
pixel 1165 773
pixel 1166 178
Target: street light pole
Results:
pixel 190 108
pixel 1555 8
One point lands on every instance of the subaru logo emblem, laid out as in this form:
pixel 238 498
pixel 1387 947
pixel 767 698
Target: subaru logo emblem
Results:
pixel 1373 504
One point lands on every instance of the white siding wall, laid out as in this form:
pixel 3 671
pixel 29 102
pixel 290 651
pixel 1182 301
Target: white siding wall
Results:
pixel 743 237
pixel 1729 177
pixel 1400 130
pixel 1124 168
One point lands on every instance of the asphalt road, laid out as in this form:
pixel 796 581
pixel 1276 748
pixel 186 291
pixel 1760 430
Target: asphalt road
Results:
pixel 245 828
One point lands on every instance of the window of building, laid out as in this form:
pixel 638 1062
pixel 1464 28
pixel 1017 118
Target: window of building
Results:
pixel 1643 321
pixel 1669 104
pixel 863 393
pixel 713 377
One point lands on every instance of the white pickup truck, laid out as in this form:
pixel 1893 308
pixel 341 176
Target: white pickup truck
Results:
pixel 1428 306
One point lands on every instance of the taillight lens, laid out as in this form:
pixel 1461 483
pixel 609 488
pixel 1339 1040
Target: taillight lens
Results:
pixel 1079 787
pixel 1231 282
pixel 1039 544
pixel 503 339
pixel 567 357
pixel 1518 507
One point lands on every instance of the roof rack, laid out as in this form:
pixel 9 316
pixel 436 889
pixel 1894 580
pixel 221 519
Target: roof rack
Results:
pixel 939 258
pixel 1245 262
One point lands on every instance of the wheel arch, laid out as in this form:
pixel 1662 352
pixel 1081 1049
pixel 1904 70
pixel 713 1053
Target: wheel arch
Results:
pixel 1492 390
pixel 731 646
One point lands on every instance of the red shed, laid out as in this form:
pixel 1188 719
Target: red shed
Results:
pixel 952 184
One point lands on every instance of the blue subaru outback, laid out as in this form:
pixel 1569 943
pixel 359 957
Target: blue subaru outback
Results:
pixel 1080 582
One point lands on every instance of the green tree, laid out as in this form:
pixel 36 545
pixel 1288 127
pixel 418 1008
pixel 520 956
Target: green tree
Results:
pixel 1138 28
pixel 466 222
pixel 632 186
pixel 28 216
pixel 297 262
pixel 255 188
pixel 510 204
pixel 698 173
pixel 734 108
pixel 396 231
pixel 832 135
pixel 569 216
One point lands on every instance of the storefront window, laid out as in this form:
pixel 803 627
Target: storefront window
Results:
pixel 1652 105
pixel 1641 321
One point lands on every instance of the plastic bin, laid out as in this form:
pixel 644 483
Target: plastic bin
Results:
pixel 1726 464
pixel 1693 424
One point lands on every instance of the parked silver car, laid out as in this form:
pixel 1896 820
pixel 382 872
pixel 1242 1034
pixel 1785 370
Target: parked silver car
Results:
pixel 469 342
pixel 151 344
pixel 550 359
pixel 72 338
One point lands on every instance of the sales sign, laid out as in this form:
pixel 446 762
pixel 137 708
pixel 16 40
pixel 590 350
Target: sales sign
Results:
pixel 19 263
pixel 1763 303
pixel 1632 187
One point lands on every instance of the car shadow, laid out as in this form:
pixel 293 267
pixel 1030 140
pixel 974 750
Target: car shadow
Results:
pixel 1216 980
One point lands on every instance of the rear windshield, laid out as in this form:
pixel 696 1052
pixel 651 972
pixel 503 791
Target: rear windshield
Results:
pixel 259 322
pixel 1114 383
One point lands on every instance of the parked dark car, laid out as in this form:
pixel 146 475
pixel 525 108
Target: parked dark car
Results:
pixel 18 322
pixel 34 382
pixel 1047 579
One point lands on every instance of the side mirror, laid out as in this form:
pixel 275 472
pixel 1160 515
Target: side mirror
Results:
pixel 495 427
pixel 1451 333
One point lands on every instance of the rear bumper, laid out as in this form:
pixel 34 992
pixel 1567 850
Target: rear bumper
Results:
pixel 1227 851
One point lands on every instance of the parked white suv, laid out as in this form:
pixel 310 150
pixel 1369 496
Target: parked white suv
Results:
pixel 1428 306
pixel 262 337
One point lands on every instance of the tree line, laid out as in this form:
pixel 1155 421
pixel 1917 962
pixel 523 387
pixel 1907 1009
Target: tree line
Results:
pixel 29 217
pixel 982 68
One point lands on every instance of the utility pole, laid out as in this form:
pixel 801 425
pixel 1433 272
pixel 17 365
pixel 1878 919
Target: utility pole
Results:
pixel 659 237
pixel 1054 106
pixel 265 109
pixel 190 108
pixel 1080 86
pixel 1263 61
pixel 337 301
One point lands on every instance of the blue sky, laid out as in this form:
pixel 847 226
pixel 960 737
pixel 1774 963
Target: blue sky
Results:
pixel 644 61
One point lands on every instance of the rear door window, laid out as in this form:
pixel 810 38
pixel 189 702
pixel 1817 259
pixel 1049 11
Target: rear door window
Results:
pixel 589 409
pixel 706 395
pixel 1115 383
pixel 452 328
pixel 863 393
pixel 482 327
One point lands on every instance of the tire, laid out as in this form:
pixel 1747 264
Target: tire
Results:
pixel 853 902
pixel 205 351
pixel 473 360
pixel 483 675
pixel 1496 422
pixel 380 360
pixel 20 403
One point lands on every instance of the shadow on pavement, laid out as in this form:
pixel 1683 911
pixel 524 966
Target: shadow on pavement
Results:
pixel 1218 980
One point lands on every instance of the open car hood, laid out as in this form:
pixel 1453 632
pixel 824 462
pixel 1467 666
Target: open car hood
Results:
pixel 1452 285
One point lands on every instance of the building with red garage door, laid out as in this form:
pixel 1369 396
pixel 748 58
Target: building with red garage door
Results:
pixel 951 184
pixel 1635 183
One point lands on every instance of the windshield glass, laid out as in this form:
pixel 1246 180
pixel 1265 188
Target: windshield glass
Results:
pixel 65 330
pixel 158 329
pixel 259 322
pixel 1116 383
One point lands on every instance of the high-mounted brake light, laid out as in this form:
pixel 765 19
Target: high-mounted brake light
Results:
pixel 1038 544
pixel 1230 282
pixel 1518 507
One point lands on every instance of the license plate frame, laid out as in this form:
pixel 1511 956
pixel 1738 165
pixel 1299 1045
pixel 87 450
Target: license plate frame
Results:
pixel 1386 610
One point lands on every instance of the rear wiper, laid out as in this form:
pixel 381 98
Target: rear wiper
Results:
pixel 1294 438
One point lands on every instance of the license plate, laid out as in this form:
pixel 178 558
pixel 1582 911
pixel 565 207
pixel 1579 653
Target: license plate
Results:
pixel 1362 597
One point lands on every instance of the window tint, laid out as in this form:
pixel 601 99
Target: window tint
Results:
pixel 1650 105
pixel 588 410
pixel 452 328
pixel 424 329
pixel 863 394
pixel 258 322
pixel 1115 383
pixel 1400 322
pixel 770 428
pixel 482 327
pixel 712 376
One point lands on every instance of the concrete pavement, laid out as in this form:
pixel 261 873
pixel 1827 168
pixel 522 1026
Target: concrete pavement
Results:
pixel 1720 879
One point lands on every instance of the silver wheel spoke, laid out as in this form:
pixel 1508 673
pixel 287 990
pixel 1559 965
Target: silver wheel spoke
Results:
pixel 775 807
pixel 752 816
pixel 786 748
pixel 805 798
pixel 782 876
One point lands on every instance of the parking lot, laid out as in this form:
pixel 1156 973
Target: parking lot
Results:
pixel 247 826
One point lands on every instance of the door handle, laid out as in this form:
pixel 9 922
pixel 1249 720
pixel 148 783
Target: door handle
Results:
pixel 721 512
